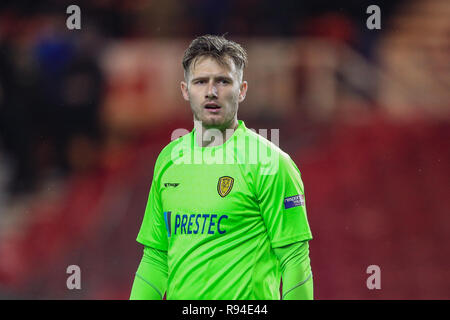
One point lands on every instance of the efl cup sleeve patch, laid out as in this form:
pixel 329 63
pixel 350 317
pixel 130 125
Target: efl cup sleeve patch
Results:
pixel 294 201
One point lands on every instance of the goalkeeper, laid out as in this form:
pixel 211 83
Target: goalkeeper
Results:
pixel 226 216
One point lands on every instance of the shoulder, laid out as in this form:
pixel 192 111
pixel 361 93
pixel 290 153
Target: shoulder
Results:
pixel 170 152
pixel 269 153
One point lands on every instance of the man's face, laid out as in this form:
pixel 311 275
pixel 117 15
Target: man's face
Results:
pixel 214 92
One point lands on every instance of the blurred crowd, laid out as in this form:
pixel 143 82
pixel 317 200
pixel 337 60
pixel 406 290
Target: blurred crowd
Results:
pixel 173 18
pixel 364 114
pixel 52 85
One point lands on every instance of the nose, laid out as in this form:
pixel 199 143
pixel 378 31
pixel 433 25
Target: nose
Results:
pixel 212 91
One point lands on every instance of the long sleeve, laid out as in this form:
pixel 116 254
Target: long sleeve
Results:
pixel 296 271
pixel 150 282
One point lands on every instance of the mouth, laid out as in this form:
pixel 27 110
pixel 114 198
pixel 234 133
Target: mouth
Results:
pixel 212 108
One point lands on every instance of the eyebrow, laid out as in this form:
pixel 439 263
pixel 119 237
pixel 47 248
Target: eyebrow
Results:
pixel 215 78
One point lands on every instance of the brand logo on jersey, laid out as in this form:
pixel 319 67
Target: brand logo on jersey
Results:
pixel 194 223
pixel 171 185
pixel 224 185
pixel 294 201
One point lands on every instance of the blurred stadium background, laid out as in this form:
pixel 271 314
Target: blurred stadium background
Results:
pixel 364 113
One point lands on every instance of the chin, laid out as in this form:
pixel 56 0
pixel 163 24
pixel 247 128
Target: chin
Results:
pixel 213 122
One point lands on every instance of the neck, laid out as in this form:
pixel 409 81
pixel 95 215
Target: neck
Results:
pixel 213 136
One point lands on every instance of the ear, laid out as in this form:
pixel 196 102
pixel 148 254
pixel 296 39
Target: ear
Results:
pixel 243 91
pixel 184 90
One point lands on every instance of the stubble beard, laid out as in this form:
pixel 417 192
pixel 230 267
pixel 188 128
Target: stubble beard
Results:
pixel 221 124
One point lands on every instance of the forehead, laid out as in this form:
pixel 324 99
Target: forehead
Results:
pixel 206 65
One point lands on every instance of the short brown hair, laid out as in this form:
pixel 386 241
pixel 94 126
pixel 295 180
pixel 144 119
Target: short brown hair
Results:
pixel 216 47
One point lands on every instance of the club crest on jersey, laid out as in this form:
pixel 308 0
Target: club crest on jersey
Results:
pixel 224 185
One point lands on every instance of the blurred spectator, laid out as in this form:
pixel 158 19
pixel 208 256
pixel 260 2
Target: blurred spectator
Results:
pixel 16 125
pixel 50 91
pixel 70 89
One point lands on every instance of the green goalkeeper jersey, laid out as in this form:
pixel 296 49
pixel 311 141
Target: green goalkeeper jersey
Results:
pixel 218 212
